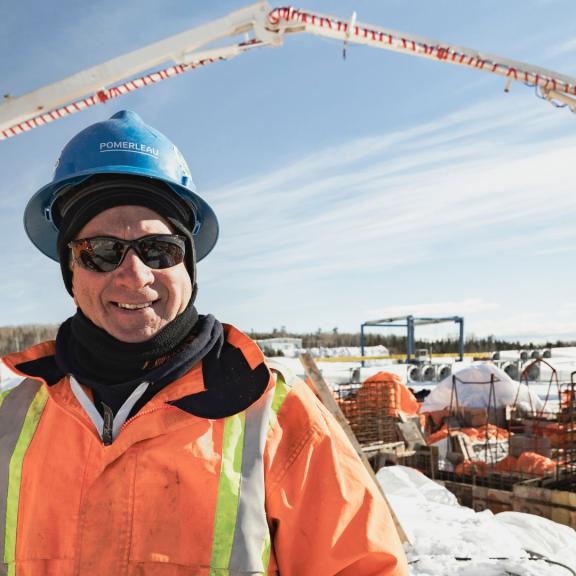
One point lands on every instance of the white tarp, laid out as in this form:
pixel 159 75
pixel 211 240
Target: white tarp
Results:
pixel 472 387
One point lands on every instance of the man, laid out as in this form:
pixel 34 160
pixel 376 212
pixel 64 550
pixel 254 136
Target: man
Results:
pixel 150 440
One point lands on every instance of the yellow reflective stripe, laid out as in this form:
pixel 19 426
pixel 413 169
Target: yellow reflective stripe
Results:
pixel 281 390
pixel 228 493
pixel 241 539
pixel 3 395
pixel 15 475
pixel 266 553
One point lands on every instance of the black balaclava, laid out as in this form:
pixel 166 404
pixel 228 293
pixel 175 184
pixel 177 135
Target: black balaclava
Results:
pixel 79 205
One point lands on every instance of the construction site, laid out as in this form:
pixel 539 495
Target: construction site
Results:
pixel 418 195
pixel 501 457
pixel 498 430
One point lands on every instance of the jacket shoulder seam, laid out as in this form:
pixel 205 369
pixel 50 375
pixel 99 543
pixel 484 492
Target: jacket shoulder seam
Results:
pixel 311 434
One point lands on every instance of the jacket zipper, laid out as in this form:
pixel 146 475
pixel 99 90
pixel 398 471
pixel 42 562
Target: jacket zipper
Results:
pixel 108 425
pixel 140 414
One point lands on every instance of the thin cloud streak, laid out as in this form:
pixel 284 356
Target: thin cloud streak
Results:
pixel 474 188
pixel 460 307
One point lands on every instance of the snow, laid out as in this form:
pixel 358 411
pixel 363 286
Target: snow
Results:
pixel 447 539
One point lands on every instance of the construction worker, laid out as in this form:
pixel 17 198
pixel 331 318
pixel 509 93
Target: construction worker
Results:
pixel 149 439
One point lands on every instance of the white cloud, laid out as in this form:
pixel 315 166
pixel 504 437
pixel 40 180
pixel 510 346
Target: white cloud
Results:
pixel 382 201
pixel 433 309
pixel 529 326
pixel 565 47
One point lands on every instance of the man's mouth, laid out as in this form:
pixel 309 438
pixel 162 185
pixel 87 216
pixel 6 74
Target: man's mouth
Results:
pixel 126 306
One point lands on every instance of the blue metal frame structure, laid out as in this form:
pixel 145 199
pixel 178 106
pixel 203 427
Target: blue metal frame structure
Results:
pixel 409 322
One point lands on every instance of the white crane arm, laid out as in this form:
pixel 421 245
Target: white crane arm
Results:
pixel 88 87
pixel 268 28
pixel 294 20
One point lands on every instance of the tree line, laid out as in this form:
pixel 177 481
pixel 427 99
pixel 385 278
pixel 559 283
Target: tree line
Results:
pixel 396 344
pixel 15 338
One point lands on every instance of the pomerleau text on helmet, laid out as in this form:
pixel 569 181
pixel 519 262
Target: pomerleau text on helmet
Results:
pixel 128 146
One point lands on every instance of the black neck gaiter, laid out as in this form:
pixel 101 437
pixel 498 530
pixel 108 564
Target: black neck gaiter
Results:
pixel 113 369
pixel 95 355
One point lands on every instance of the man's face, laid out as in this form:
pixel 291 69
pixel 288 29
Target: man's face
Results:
pixel 100 295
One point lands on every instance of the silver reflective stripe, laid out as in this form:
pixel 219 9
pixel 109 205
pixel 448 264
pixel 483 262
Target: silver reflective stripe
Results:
pixel 126 408
pixel 286 372
pixel 96 417
pixel 12 416
pixel 8 378
pixel 251 534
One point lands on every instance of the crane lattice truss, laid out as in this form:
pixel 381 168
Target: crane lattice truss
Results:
pixel 260 26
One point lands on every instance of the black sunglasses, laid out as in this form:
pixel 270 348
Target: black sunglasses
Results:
pixel 104 253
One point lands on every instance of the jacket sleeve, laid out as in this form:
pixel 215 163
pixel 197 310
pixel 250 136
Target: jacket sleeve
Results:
pixel 327 517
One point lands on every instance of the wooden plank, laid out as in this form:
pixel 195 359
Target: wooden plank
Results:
pixel 492 499
pixel 566 516
pixel 463 492
pixel 411 434
pixel 557 505
pixel 323 391
pixel 462 444
pixel 545 495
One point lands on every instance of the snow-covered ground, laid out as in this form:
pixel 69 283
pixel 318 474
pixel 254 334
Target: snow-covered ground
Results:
pixel 447 539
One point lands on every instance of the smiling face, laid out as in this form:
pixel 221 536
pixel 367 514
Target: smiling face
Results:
pixel 108 298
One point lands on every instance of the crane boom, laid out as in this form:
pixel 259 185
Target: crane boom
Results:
pixel 261 26
pixel 293 20
pixel 108 80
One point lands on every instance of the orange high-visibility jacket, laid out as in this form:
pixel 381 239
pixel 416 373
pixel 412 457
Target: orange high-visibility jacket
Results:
pixel 273 489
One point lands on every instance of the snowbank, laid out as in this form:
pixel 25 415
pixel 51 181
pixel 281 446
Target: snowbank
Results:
pixel 451 540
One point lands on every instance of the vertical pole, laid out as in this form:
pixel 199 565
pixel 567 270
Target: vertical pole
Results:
pixel 362 343
pixel 410 337
pixel 461 342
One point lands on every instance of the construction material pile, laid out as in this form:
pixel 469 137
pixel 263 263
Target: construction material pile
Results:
pixel 486 424
pixel 374 407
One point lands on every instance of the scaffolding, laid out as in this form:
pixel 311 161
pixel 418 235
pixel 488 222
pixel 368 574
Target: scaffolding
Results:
pixel 551 429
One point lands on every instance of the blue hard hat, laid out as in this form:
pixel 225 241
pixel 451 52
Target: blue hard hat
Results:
pixel 124 144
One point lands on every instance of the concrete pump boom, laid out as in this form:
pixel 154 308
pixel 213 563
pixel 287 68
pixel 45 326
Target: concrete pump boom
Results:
pixel 260 26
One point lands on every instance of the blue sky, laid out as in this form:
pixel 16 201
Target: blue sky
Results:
pixel 346 191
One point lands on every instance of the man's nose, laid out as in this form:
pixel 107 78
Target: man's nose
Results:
pixel 133 272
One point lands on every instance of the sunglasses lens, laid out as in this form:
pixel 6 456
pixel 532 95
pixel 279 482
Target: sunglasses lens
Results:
pixel 106 254
pixel 99 254
pixel 158 254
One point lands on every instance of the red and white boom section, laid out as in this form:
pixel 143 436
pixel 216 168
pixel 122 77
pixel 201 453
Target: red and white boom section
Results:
pixel 257 25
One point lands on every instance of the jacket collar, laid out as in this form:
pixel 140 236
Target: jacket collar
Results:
pixel 223 384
